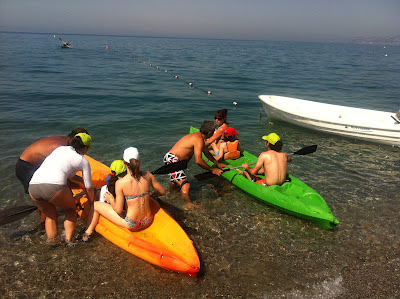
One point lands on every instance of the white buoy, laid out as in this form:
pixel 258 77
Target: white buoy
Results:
pixel 385 54
pixel 177 77
pixel 234 103
pixel 158 68
pixel 209 92
pixel 191 84
pixel 166 71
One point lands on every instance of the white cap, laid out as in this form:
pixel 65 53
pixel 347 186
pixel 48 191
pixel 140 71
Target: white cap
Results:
pixel 131 153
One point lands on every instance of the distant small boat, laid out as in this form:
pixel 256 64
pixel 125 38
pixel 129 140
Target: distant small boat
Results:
pixel 364 124
pixel 66 45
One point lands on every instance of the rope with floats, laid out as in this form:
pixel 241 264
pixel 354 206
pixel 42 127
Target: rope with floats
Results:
pixel 190 84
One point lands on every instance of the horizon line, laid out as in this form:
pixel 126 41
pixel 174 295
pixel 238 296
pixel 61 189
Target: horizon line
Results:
pixel 355 40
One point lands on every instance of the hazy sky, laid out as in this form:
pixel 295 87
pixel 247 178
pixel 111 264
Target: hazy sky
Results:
pixel 233 19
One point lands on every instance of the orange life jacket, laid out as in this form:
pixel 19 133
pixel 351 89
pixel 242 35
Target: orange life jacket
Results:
pixel 233 152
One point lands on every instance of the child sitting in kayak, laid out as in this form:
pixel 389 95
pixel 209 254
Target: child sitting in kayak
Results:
pixel 107 192
pixel 230 149
pixel 272 163
pixel 132 192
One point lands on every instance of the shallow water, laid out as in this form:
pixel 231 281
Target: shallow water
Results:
pixel 247 249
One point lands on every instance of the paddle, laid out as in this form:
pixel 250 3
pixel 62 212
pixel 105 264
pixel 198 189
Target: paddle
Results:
pixel 397 122
pixel 171 167
pixel 15 213
pixel 304 151
pixel 208 175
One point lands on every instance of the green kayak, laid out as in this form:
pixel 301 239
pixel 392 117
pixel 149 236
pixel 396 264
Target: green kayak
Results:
pixel 293 197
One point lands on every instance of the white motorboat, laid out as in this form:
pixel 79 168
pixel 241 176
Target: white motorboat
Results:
pixel 364 124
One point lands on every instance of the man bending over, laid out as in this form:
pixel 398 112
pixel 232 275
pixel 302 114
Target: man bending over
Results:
pixel 184 149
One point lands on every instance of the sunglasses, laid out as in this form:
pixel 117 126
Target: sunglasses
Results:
pixel 219 118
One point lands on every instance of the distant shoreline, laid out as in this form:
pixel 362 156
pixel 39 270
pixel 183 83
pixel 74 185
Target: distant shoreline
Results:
pixel 388 41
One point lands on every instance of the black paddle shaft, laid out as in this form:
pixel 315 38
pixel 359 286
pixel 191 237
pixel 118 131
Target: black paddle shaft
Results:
pixel 15 213
pixel 171 167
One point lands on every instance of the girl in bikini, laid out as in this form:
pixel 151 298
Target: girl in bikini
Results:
pixel 133 192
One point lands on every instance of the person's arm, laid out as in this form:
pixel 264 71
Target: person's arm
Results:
pixel 158 188
pixel 75 182
pixel 200 148
pixel 211 158
pixel 216 135
pixel 87 180
pixel 253 171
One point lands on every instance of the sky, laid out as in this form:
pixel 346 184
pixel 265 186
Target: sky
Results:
pixel 298 20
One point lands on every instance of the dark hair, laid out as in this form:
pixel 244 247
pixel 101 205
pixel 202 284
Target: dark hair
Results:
pixel 111 184
pixel 277 146
pixel 134 166
pixel 77 131
pixel 112 180
pixel 207 127
pixel 77 144
pixel 223 113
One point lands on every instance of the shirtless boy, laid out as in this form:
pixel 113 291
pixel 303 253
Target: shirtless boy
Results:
pixel 184 149
pixel 34 155
pixel 273 162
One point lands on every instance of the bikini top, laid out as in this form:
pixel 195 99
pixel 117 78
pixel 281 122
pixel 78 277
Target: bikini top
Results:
pixel 136 196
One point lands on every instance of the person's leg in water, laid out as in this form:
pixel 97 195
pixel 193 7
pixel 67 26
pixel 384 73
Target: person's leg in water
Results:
pixel 51 216
pixel 184 186
pixel 64 199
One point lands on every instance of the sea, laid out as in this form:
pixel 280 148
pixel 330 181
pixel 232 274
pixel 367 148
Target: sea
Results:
pixel 135 91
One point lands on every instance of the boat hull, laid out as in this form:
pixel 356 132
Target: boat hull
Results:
pixel 294 197
pixel 363 124
pixel 164 243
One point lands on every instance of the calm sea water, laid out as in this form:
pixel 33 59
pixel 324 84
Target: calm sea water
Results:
pixel 247 249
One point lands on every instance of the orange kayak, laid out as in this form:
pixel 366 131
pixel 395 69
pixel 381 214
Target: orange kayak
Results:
pixel 164 243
